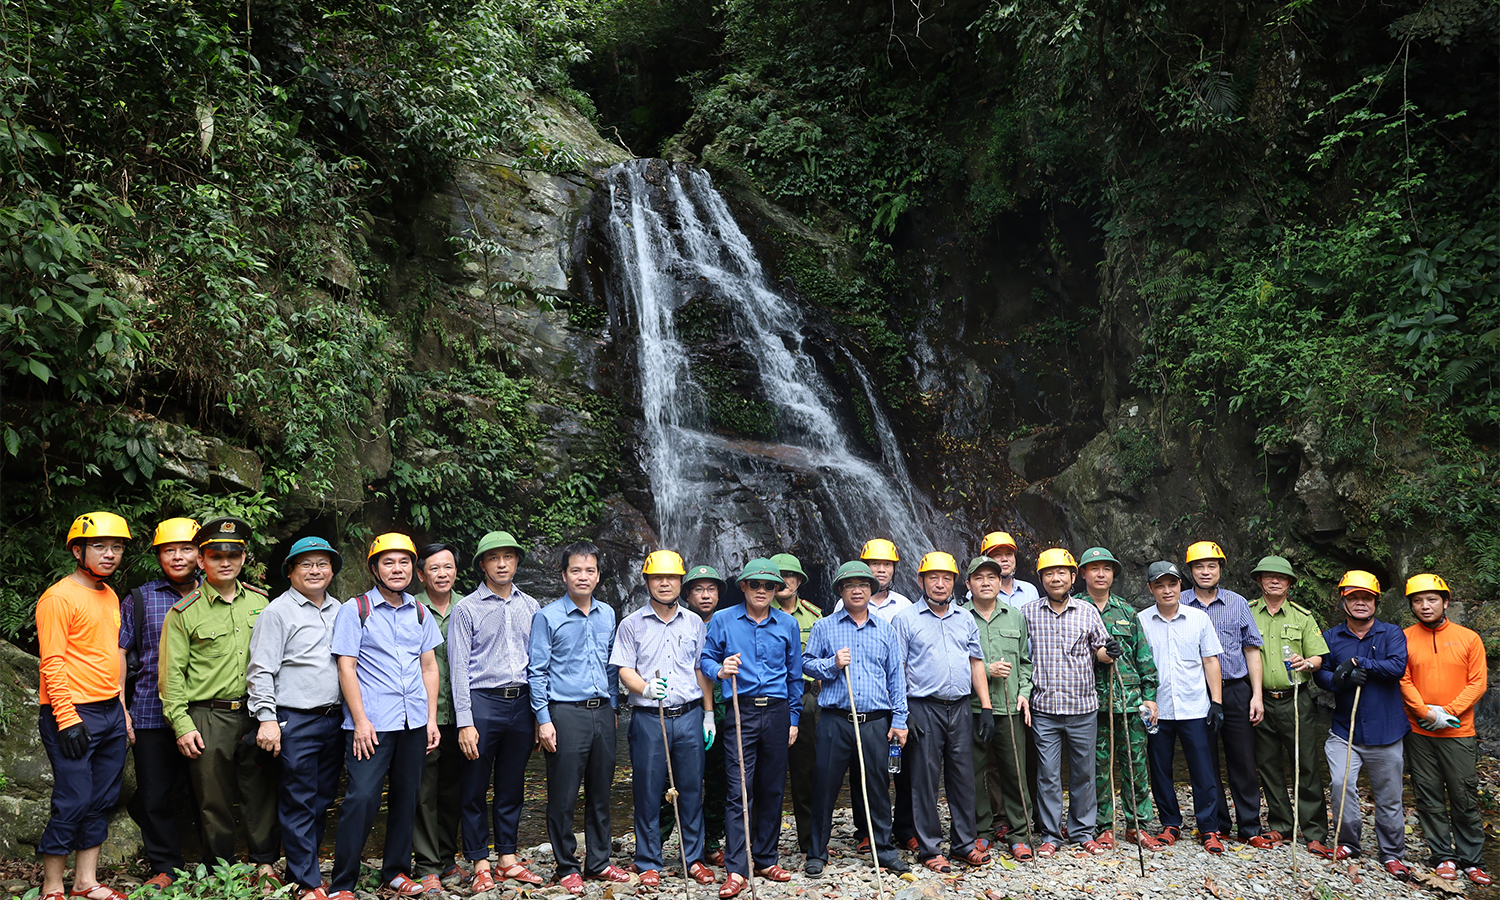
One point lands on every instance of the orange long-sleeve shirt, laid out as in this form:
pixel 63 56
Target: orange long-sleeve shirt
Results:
pixel 1445 666
pixel 78 630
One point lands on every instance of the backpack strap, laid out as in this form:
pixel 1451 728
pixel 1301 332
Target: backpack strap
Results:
pixel 140 621
pixel 362 603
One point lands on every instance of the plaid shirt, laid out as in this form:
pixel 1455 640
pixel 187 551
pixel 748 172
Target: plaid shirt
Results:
pixel 159 595
pixel 1062 652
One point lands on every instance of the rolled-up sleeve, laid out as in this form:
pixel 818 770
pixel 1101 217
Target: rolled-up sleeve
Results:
pixel 267 643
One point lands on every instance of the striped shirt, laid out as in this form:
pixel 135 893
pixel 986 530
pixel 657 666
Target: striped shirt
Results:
pixel 874 665
pixel 489 639
pixel 158 596
pixel 1235 624
pixel 1062 653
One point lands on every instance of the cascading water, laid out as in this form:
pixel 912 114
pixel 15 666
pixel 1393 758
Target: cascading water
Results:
pixel 718 499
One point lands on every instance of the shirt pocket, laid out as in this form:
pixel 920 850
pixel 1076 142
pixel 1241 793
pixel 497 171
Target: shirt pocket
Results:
pixel 212 639
pixel 1008 642
pixel 684 653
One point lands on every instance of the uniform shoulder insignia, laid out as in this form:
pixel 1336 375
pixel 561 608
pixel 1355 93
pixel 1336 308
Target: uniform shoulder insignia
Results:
pixel 1299 608
pixel 187 601
pixel 254 590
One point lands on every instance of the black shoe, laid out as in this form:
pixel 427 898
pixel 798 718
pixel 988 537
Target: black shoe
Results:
pixel 813 869
pixel 896 865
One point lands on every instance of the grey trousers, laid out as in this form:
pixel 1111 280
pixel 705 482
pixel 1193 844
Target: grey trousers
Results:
pixel 941 738
pixel 585 758
pixel 1383 766
pixel 1081 734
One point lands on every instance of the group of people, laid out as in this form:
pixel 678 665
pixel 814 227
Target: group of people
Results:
pixel 440 701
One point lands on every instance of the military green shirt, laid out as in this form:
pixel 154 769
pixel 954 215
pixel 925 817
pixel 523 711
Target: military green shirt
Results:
pixel 445 685
pixel 205 650
pixel 1004 637
pixel 1137 665
pixel 1291 628
pixel 805 614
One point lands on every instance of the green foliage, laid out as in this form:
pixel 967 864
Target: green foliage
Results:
pixel 1137 456
pixel 229 881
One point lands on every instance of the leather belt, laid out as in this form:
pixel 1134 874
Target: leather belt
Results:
pixel 860 718
pixel 507 693
pixel 324 711
pixel 941 702
pixel 671 712
pixel 590 703
pixel 762 701
pixel 1279 695
pixel 241 703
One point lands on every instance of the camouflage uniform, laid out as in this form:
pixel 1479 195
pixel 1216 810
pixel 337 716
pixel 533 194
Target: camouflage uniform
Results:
pixel 1138 670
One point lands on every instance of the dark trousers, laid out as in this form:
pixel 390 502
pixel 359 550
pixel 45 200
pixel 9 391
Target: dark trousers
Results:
pixel 1276 739
pixel 999 797
pixel 941 740
pixel 648 756
pixel 507 732
pixel 398 757
pixel 1238 763
pixel 1197 749
pixel 836 756
pixel 160 791
pixel 899 785
pixel 84 790
pixel 1445 779
pixel 585 758
pixel 230 773
pixel 312 758
pixel 801 761
pixel 763 734
pixel 434 839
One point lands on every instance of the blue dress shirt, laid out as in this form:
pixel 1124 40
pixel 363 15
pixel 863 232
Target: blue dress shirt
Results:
pixel 389 648
pixel 1382 653
pixel 1237 630
pixel 570 655
pixel 937 650
pixel 770 654
pixel 874 665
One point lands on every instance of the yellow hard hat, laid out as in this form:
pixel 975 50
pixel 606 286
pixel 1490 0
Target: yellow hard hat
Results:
pixel 882 549
pixel 1358 580
pixel 1204 550
pixel 392 540
pixel 663 562
pixel 97 525
pixel 1427 582
pixel 1055 557
pixel 180 530
pixel 938 561
pixel 996 539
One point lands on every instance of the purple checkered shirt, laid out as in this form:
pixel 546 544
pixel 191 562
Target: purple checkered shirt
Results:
pixel 1062 653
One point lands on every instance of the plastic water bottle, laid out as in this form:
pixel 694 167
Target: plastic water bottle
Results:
pixel 1292 674
pixel 893 762
pixel 1151 727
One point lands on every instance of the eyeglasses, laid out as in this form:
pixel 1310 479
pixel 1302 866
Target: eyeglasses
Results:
pixel 314 565
pixel 761 585
pixel 112 547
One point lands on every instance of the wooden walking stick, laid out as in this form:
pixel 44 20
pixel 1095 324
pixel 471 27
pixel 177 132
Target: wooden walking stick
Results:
pixel 1297 770
pixel 1135 800
pixel 1338 825
pixel 739 742
pixel 1015 753
pixel 661 716
pixel 864 790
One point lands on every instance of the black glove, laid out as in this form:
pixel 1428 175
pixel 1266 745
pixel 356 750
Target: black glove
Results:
pixel 1215 717
pixel 986 726
pixel 1358 676
pixel 1345 667
pixel 73 741
pixel 1113 648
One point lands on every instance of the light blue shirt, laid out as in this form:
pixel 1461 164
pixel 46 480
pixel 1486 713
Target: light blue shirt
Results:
pixel 649 644
pixel 936 650
pixel 389 648
pixel 874 665
pixel 1023 593
pixel 570 655
pixel 489 641
pixel 1179 646
pixel 770 655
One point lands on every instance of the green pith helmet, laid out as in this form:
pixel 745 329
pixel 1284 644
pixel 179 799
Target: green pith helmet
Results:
pixel 1099 554
pixel 1273 565
pixel 786 562
pixel 701 573
pixel 497 540
pixel 980 562
pixel 760 569
pixel 854 569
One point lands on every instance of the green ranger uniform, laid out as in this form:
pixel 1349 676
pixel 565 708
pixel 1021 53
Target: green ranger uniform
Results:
pixel 435 835
pixel 205 652
pixel 1002 637
pixel 802 758
pixel 1138 670
pixel 1292 627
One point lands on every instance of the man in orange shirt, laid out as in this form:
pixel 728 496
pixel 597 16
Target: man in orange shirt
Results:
pixel 82 719
pixel 1445 676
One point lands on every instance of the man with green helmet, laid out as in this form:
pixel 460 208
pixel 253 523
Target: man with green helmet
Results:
pixel 1099 569
pixel 802 757
pixel 1294 638
pixel 489 645
pixel 703 588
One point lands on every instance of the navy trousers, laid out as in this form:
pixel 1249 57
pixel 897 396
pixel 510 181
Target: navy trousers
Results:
pixel 399 755
pixel 835 757
pixel 1198 750
pixel 648 755
pixel 161 789
pixel 764 733
pixel 312 758
pixel 84 790
pixel 507 732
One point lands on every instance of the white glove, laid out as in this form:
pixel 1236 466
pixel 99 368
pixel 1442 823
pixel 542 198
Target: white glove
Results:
pixel 709 731
pixel 1439 718
pixel 656 688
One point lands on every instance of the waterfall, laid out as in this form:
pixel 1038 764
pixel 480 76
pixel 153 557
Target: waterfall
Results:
pixel 722 500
